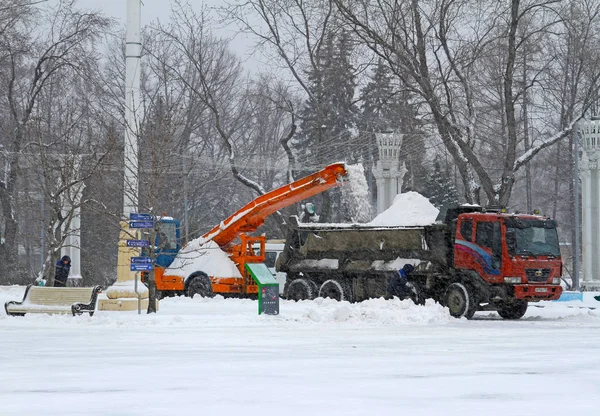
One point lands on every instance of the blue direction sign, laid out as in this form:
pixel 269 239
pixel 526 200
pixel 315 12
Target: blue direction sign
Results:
pixel 134 216
pixel 140 267
pixel 141 224
pixel 138 243
pixel 141 260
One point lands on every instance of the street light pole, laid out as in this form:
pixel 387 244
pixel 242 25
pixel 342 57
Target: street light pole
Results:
pixel 133 51
pixel 124 294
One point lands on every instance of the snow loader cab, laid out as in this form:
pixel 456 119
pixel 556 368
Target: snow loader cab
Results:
pixel 474 260
pixel 168 240
pixel 167 243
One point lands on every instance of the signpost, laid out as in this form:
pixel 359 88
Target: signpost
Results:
pixel 137 220
pixel 137 264
pixel 141 224
pixel 138 243
pixel 140 267
pixel 140 263
pixel 141 260
pixel 134 216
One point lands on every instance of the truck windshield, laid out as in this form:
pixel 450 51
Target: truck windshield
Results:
pixel 532 238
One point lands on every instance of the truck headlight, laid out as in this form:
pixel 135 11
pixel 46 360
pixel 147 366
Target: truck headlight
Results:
pixel 556 280
pixel 512 280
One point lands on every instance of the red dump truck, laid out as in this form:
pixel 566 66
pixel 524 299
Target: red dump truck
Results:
pixel 475 260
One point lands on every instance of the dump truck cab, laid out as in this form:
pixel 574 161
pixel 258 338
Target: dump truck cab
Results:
pixel 516 256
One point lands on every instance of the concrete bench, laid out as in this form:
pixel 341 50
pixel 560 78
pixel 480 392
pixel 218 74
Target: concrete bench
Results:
pixel 53 300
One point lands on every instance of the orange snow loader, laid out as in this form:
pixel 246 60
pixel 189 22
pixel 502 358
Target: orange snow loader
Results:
pixel 232 236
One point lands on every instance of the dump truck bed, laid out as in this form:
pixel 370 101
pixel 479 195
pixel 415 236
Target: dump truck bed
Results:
pixel 360 247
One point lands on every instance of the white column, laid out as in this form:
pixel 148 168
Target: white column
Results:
pixel 590 176
pixel 586 220
pixel 72 246
pixel 71 202
pixel 381 204
pixel 595 222
pixel 133 50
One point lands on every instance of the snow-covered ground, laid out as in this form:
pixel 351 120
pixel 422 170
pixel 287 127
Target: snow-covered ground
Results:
pixel 217 357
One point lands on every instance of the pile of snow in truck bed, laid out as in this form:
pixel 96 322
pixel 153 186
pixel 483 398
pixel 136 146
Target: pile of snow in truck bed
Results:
pixel 409 209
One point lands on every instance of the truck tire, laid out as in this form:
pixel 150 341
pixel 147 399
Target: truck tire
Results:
pixel 301 289
pixel 199 284
pixel 514 309
pixel 335 290
pixel 460 301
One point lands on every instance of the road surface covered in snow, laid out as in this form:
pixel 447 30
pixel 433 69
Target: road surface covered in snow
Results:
pixel 217 357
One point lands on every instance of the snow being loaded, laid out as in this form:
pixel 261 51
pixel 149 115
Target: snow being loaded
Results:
pixel 356 194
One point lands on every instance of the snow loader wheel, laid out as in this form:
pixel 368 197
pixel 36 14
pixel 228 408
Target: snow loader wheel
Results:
pixel 301 289
pixel 460 301
pixel 514 309
pixel 335 290
pixel 200 285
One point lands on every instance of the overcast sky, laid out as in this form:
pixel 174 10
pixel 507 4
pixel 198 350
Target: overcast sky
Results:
pixel 153 10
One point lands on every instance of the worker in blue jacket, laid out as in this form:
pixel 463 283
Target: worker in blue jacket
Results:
pixel 399 285
pixel 63 266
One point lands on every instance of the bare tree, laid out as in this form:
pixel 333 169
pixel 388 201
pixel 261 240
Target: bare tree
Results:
pixel 65 42
pixel 218 73
pixel 436 47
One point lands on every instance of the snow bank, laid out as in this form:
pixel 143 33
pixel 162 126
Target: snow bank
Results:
pixel 198 255
pixel 410 209
pixel 380 311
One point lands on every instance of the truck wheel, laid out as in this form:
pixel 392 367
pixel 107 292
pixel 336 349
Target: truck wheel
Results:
pixel 460 301
pixel 301 289
pixel 514 309
pixel 200 285
pixel 335 290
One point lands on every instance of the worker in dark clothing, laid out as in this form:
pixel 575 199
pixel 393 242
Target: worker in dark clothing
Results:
pixel 399 285
pixel 63 266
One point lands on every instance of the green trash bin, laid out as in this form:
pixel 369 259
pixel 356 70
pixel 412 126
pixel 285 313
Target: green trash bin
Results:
pixel 268 288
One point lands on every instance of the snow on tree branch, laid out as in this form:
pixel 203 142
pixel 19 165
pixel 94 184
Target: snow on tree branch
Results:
pixel 528 155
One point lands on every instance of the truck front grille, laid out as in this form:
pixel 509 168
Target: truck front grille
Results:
pixel 537 275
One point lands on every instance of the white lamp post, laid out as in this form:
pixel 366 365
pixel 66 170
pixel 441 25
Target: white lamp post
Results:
pixel 590 183
pixel 123 295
